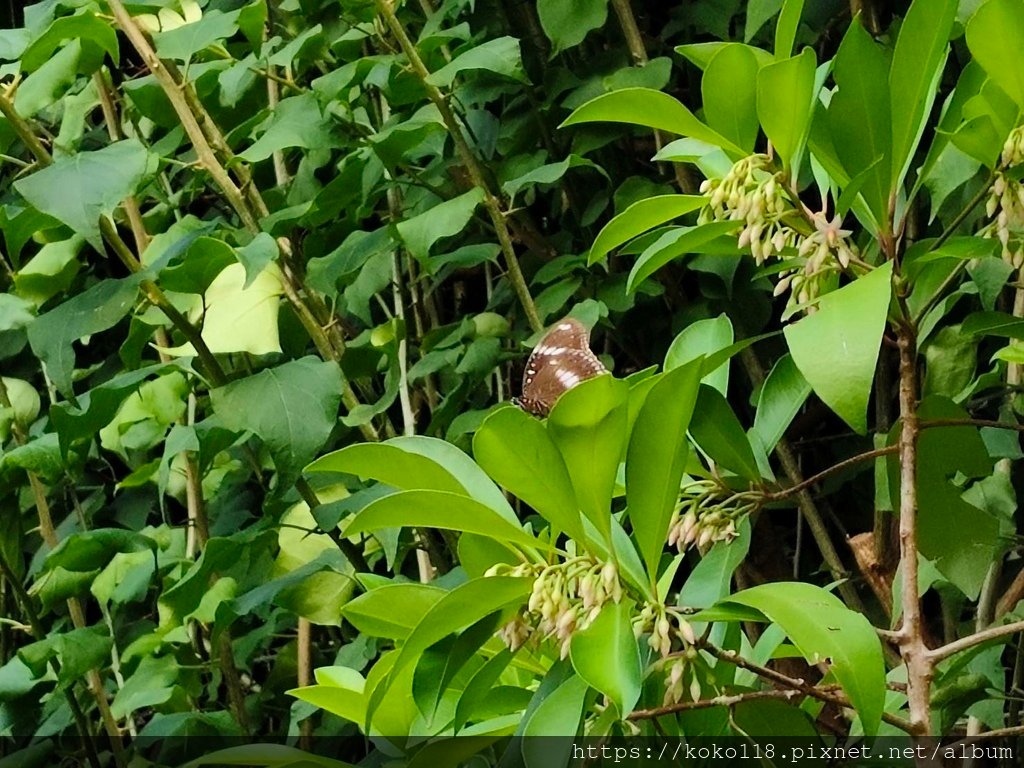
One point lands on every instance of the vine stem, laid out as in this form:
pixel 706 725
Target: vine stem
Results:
pixel 468 158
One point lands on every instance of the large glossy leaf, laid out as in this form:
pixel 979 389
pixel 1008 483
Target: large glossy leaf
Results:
pixel 783 394
pixel 516 450
pixel 654 109
pixel 704 338
pixel 558 714
pixel 607 657
pixel 916 64
pixel 437 509
pixel 995 36
pixel 717 431
pixel 859 116
pixel 298 408
pixel 785 97
pixel 675 243
pixel 639 217
pixel 728 89
pixel 391 610
pixel 836 348
pixel 835 633
pixel 657 457
pixel 463 606
pixel 588 424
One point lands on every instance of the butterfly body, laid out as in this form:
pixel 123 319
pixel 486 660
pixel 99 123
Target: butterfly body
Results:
pixel 561 360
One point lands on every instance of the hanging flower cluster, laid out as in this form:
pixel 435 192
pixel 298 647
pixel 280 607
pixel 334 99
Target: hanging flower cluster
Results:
pixel 1005 204
pixel 708 512
pixel 775 227
pixel 566 597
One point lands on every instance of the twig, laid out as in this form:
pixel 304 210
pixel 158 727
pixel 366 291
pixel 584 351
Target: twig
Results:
pixel 835 468
pixel 964 643
pixel 718 701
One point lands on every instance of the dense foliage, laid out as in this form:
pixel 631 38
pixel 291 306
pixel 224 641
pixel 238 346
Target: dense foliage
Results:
pixel 271 269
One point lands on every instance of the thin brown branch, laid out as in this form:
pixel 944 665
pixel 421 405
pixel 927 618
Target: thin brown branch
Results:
pixel 717 701
pixel 978 638
pixel 785 493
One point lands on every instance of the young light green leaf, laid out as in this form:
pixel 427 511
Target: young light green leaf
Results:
pixel 607 657
pixel 785 31
pixel 654 109
pixel 995 37
pixel 391 610
pixel 703 338
pixel 640 217
pixel 656 459
pixel 836 348
pixel 241 319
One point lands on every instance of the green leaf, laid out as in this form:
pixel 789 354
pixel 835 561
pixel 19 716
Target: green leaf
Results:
pixel 499 56
pixel 458 609
pixel 654 109
pixel 183 42
pixel 588 424
pixel 549 174
pixel 836 633
pixel 783 394
pixel 92 311
pixel 710 580
pixel 785 99
pixel 298 408
pixel 50 82
pixel 80 188
pixel 269 755
pixel 515 449
pixel 917 62
pixel 717 431
pixel 558 714
pixel 607 657
pixel 671 245
pixel 785 31
pixel 995 37
pixel 78 651
pixel 567 22
pixel 729 93
pixel 859 116
pixel 256 256
pixel 657 457
pixel 449 218
pixel 836 348
pixel 295 122
pixel 638 218
pixel 438 509
pixel 96 36
pixel 758 13
pixel 392 610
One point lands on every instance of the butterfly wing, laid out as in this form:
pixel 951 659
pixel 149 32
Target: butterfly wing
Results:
pixel 558 363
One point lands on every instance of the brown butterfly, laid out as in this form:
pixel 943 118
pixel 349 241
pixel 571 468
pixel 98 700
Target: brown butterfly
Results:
pixel 560 361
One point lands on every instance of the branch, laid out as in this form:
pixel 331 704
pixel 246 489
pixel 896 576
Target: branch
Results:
pixel 933 423
pixel 912 647
pixel 964 643
pixel 718 701
pixel 844 464
pixel 795 684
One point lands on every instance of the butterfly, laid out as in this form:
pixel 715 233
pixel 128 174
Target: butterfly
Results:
pixel 560 361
